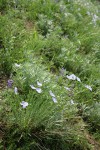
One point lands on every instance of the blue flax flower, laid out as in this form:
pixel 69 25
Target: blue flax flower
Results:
pixel 9 83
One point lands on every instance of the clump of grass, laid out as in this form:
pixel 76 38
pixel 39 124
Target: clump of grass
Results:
pixel 92 116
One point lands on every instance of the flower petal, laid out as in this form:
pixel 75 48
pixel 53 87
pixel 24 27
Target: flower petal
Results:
pixel 68 89
pixel 51 93
pixel 54 99
pixel 88 87
pixel 9 83
pixel 78 79
pixel 16 90
pixel 32 87
pixel 72 77
pixel 38 90
pixel 39 84
pixel 24 104
pixel 71 101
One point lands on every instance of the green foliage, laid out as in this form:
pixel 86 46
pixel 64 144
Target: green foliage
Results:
pixel 3 5
pixel 59 118
pixel 40 105
pixel 11 35
pixel 39 139
pixel 92 116
pixel 46 41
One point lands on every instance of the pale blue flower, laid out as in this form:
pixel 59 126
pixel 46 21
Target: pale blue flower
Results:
pixel 73 77
pixel 54 99
pixel 88 87
pixel 68 89
pixel 9 83
pixel 16 90
pixel 51 94
pixel 24 104
pixel 39 84
pixel 32 87
pixel 78 79
pixel 39 90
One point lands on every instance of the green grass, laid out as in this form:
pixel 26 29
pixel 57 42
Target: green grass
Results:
pixel 50 40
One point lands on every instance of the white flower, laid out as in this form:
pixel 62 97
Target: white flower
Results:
pixel 49 22
pixel 73 77
pixel 54 99
pixel 32 87
pixel 17 65
pixel 24 104
pixel 88 87
pixel 16 90
pixel 38 90
pixel 68 89
pixel 39 84
pixel 95 18
pixel 51 94
pixel 71 101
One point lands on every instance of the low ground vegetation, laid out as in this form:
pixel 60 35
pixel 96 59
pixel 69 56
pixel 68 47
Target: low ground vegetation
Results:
pixel 49 67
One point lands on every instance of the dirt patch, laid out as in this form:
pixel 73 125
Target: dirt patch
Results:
pixel 3 82
pixel 29 25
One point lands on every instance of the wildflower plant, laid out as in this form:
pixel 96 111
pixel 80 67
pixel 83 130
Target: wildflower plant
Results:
pixel 38 98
